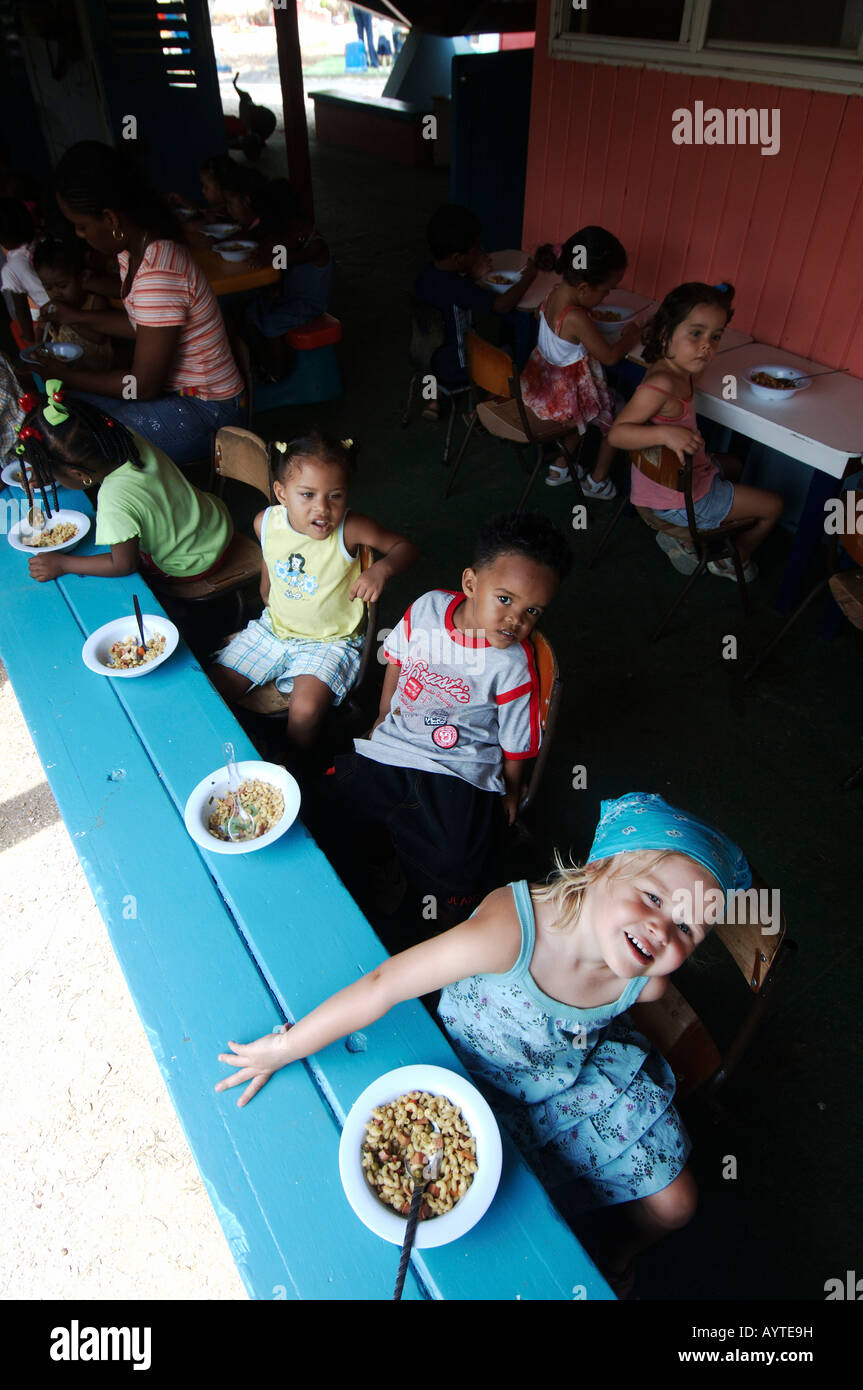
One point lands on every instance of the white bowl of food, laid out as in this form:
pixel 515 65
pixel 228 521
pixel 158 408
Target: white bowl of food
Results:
pixel 114 650
pixel 770 382
pixel 220 230
pixel 611 319
pixel 62 531
pixel 12 475
pixel 364 1173
pixel 501 280
pixel 60 352
pixel 235 250
pixel 267 791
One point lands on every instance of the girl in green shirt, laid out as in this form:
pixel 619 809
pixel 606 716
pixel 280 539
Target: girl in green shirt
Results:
pixel 147 512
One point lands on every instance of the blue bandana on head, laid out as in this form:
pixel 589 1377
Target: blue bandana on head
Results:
pixel 642 820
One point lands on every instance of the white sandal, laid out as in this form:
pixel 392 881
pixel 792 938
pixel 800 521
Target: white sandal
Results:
pixel 724 569
pixel 557 475
pixel 604 491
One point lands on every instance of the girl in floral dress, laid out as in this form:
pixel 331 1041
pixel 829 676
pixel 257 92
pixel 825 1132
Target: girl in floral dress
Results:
pixel 563 378
pixel 535 991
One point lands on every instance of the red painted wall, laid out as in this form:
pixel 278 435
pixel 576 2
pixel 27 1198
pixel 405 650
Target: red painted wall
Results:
pixel 786 229
pixel 525 40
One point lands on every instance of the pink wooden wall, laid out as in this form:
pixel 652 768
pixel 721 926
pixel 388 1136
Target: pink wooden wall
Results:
pixel 786 229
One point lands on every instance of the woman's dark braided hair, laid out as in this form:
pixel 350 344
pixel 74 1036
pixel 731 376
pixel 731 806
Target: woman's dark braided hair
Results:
pixel 87 438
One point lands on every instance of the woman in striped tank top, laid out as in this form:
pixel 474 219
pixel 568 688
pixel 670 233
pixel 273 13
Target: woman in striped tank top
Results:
pixel 183 382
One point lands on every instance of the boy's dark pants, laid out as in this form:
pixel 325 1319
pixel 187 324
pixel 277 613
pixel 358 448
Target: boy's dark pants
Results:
pixel 447 834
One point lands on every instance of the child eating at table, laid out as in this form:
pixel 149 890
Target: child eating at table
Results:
pixel 563 378
pixel 146 511
pixel 679 343
pixel 308 639
pixel 440 776
pixel 61 268
pixel 449 283
pixel 17 277
pixel 536 988
pixel 287 238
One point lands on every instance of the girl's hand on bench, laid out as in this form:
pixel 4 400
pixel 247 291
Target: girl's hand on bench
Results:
pixel 257 1062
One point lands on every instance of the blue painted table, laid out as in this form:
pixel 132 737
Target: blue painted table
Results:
pixel 216 946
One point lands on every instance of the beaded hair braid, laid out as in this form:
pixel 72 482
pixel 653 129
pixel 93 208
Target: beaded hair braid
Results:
pixel 85 436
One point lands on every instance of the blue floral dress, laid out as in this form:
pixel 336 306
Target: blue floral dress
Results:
pixel 584 1095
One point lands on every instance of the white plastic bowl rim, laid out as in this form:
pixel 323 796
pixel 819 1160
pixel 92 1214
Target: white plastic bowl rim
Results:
pixel 79 519
pixel 95 650
pixel 7 475
pixel 382 1220
pixel 199 806
pixel 221 230
pixel 512 278
pixel 61 352
pixel 774 393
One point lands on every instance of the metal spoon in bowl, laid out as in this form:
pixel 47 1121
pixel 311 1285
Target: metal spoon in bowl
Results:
pixel 239 825
pixel 430 1173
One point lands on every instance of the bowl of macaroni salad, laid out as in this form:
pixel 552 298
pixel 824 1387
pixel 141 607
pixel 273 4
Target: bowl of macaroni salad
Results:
pixel 405 1114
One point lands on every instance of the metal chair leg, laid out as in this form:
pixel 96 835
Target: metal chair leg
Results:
pixel 743 588
pixel 450 478
pixel 853 779
pixel 531 480
pixel 407 410
pixel 449 427
pixel 606 535
pixel 680 597
pixel 759 661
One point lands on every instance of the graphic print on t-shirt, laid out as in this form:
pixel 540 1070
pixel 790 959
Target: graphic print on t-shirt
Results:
pixel 428 699
pixel 299 585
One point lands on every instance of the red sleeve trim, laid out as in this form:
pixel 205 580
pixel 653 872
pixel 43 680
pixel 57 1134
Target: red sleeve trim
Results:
pixel 393 660
pixel 520 757
pixel 407 623
pixel 515 694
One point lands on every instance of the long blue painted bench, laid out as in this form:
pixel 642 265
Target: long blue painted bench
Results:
pixel 214 947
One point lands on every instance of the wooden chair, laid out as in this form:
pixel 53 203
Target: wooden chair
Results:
pixel 505 414
pixel 846 586
pixel 663 466
pixel 550 696
pixel 241 455
pixel 700 1065
pixel 268 702
pixel 427 335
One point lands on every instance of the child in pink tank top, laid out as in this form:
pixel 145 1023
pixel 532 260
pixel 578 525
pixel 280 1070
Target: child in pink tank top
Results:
pixel 679 343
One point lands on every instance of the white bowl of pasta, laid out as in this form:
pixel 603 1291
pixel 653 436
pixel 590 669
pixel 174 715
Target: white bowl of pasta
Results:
pixel 114 649
pixel 379 1189
pixel 267 791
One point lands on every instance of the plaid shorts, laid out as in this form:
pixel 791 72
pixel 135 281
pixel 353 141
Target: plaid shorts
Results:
pixel 259 655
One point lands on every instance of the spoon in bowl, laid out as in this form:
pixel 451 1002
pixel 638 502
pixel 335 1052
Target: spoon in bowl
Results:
pixel 239 825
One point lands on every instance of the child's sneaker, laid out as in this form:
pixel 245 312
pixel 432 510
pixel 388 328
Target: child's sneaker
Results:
pixel 682 557
pixel 604 491
pixel 557 475
pixel 724 568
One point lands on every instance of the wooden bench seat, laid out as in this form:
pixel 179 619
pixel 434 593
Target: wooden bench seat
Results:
pixel 216 946
pixel 381 126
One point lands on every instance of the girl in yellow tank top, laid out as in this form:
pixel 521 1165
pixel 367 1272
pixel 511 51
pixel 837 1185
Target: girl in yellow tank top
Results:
pixel 308 637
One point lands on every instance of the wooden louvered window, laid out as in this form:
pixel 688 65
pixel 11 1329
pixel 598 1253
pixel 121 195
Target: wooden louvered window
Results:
pixel 148 35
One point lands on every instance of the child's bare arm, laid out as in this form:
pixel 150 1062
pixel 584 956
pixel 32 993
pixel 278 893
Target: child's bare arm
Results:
pixel 121 560
pixel 631 429
pixel 265 573
pixel 391 680
pixel 579 327
pixel 397 555
pixel 512 776
pixel 487 944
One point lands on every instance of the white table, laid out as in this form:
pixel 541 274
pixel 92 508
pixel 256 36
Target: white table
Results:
pixel 821 426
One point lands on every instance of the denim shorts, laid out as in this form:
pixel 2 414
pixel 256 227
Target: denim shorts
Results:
pixel 711 509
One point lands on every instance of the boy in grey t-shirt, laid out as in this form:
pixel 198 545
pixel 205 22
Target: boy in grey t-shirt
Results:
pixel 441 774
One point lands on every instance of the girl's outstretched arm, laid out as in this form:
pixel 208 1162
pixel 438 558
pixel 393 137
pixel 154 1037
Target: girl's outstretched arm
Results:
pixel 487 944
pixel 397 554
